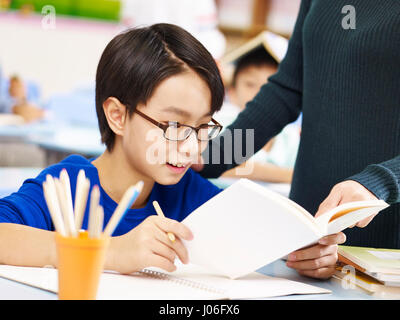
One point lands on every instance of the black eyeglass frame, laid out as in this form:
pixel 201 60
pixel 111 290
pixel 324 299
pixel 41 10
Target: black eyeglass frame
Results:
pixel 164 126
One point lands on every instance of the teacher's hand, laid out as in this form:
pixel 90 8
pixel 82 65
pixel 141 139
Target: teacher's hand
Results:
pixel 347 191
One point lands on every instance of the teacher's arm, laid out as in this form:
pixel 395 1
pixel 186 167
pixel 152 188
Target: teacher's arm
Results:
pixel 376 181
pixel 277 103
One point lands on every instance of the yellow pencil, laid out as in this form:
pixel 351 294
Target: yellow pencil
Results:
pixel 171 236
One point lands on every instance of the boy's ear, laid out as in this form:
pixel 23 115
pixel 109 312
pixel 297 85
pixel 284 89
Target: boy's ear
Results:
pixel 115 113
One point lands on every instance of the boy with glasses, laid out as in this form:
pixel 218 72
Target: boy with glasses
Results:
pixel 156 90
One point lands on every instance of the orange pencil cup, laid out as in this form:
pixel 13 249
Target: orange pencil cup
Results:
pixel 80 264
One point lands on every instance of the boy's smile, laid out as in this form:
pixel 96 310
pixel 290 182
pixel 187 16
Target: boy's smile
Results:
pixel 178 169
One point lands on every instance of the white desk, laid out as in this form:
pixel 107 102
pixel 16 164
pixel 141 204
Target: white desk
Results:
pixel 11 179
pixel 69 140
pixel 57 140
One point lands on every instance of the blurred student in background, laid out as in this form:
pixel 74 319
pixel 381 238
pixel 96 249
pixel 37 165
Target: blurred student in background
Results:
pixel 14 99
pixel 274 162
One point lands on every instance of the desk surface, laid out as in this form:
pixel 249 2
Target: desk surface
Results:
pixel 11 179
pixel 11 290
pixel 56 137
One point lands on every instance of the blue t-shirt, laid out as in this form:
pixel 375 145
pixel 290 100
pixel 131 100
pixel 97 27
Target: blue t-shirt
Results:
pixel 28 206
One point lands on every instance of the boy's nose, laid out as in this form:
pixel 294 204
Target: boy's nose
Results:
pixel 190 146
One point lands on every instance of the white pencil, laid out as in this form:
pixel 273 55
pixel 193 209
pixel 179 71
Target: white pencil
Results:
pixel 67 217
pixel 64 179
pixel 50 196
pixel 94 203
pixel 126 202
pixel 99 221
pixel 81 197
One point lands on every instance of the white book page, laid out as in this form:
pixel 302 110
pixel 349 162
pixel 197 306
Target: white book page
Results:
pixel 244 228
pixel 362 210
pixel 386 255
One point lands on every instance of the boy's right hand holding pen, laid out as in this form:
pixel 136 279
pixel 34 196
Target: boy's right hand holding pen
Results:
pixel 149 244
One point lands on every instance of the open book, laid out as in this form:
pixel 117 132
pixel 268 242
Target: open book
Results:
pixel 274 44
pixel 188 282
pixel 247 226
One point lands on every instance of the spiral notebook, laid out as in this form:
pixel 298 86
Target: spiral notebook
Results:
pixel 189 282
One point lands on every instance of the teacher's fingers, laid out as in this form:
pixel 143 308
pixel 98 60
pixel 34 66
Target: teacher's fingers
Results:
pixel 336 238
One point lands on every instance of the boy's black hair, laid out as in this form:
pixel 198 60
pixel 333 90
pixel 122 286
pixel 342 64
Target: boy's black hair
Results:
pixel 257 57
pixel 136 61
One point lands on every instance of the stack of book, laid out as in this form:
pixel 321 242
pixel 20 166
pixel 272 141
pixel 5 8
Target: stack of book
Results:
pixel 375 270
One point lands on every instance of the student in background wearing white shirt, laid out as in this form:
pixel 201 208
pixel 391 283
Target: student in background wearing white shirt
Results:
pixel 275 162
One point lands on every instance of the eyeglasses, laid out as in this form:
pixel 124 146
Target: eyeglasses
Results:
pixel 175 131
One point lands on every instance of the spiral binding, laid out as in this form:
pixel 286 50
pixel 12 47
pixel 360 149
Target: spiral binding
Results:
pixel 181 281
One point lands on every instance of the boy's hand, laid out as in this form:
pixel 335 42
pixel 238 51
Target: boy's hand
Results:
pixel 148 245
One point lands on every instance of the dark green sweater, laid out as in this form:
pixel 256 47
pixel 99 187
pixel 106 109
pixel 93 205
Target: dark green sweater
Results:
pixel 347 85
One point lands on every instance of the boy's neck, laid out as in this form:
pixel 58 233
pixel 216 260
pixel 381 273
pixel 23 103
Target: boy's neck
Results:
pixel 116 176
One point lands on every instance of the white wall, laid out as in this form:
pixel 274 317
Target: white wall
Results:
pixel 58 59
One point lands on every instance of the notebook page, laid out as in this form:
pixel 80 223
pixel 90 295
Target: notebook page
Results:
pixel 241 229
pixel 115 286
pixel 138 286
pixel 252 286
pixel 42 278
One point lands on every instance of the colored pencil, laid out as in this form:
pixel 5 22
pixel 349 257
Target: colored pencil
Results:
pixel 126 202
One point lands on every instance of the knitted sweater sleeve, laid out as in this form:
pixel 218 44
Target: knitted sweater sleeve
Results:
pixel 277 103
pixel 382 179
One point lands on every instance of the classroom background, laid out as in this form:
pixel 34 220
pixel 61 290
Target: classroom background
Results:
pixel 50 50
